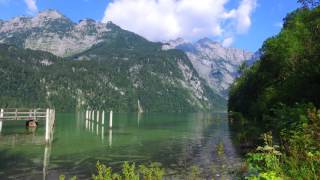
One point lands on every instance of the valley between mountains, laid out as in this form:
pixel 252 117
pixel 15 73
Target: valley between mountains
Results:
pixel 48 60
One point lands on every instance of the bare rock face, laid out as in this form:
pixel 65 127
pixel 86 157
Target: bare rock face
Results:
pixel 52 32
pixel 214 63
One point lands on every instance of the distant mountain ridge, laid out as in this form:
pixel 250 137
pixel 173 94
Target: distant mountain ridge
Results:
pixel 100 66
pixel 216 64
pixel 52 32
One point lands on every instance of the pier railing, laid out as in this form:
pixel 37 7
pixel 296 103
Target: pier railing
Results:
pixel 23 114
pixel 13 114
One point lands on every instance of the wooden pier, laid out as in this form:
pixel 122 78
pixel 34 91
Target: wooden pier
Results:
pixel 16 114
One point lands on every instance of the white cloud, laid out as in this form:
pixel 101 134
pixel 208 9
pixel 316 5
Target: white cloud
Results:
pixel 227 42
pixel 160 20
pixel 32 6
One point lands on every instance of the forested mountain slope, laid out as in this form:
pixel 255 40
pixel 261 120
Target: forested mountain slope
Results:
pixel 114 74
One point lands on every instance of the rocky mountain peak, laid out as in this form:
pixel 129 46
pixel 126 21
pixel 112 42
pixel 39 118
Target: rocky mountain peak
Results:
pixel 216 64
pixel 111 25
pixel 172 44
pixel 179 41
pixel 205 40
pixel 50 14
pixel 208 43
pixel 87 21
pixel 51 31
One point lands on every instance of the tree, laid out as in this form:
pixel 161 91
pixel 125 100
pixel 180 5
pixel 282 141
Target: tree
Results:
pixel 309 3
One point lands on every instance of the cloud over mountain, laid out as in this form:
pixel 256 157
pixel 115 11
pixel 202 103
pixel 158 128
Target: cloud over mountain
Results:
pixel 32 6
pixel 160 20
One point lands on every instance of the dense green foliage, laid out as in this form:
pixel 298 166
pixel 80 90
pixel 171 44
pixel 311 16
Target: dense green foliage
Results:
pixel 114 74
pixel 154 171
pixel 281 93
pixel 288 72
pixel 309 3
pixel 20 72
pixel 298 157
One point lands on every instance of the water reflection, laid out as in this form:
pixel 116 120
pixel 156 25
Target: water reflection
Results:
pixel 46 160
pixel 177 141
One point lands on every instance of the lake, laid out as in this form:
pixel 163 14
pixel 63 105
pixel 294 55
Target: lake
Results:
pixel 177 141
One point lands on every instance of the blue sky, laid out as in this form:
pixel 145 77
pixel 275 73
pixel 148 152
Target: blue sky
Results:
pixel 237 23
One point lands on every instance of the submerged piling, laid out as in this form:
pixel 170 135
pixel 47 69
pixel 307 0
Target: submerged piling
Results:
pixel 1 116
pixel 102 118
pixel 110 119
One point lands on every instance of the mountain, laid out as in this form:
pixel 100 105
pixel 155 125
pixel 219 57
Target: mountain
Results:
pixel 52 32
pixel 214 63
pixel 115 71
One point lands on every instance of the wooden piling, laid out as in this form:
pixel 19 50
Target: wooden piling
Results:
pixel 98 113
pixel 110 137
pixel 47 137
pixel 110 119
pixel 15 114
pixel 92 121
pixel 102 132
pixel 102 118
pixel 1 116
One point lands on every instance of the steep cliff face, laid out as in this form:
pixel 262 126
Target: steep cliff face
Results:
pixel 52 32
pixel 214 63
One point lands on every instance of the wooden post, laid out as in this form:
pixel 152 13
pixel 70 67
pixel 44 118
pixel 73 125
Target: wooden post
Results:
pixel 86 119
pixel 110 119
pixel 102 118
pixel 97 129
pixel 47 125
pixel 92 121
pixel 46 160
pixel 102 132
pixel 98 116
pixel 110 137
pixel 34 114
pixel 1 121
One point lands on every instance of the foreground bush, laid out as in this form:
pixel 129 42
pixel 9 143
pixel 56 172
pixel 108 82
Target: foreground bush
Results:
pixel 129 172
pixel 298 156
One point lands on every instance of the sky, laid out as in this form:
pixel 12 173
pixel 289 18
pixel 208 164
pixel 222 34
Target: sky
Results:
pixel 244 24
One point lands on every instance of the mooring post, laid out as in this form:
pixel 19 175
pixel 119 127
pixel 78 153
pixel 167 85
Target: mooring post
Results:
pixel 102 118
pixel 110 119
pixel 89 120
pixel 97 129
pixel 92 121
pixel 34 114
pixel 86 119
pixel 110 137
pixel 102 133
pixel 1 121
pixel 47 125
pixel 98 116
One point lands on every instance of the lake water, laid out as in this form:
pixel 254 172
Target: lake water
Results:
pixel 177 141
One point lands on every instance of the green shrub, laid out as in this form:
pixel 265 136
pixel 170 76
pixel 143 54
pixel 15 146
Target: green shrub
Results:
pixel 130 172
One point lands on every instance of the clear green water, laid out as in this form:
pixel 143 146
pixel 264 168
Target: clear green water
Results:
pixel 177 141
